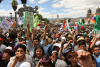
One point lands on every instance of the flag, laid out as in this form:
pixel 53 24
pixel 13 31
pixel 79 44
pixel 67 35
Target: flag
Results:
pixel 93 20
pixel 68 27
pixel 64 24
pixel 78 22
pixel 13 24
pixel 1 20
pixel 82 24
pixel 97 25
pixel 36 22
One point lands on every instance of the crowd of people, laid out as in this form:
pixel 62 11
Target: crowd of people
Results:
pixel 50 46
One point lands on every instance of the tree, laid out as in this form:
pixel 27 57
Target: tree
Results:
pixel 39 16
pixel 0 1
pixel 45 19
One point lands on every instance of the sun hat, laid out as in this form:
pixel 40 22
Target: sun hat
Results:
pixel 81 39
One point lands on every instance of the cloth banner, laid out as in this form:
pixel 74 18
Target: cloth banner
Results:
pixel 20 20
pixel 6 24
pixel 28 17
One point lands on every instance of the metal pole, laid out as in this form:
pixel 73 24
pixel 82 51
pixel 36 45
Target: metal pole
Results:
pixel 16 19
pixel 11 15
pixel 52 17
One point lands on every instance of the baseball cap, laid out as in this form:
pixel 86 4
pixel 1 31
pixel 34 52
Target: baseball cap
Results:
pixel 97 43
pixel 0 38
pixel 25 64
pixel 46 58
pixel 56 44
pixel 10 48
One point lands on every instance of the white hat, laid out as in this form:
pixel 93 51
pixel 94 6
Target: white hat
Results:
pixel 9 48
pixel 56 44
pixel 97 43
pixel 54 51
pixel 25 64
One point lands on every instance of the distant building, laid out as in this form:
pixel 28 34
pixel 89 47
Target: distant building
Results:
pixel 89 13
pixel 58 18
pixel 98 10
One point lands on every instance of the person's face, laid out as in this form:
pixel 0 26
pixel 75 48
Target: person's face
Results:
pixel 53 35
pixel 20 52
pixel 54 56
pixel 82 47
pixel 50 40
pixel 73 60
pixel 93 63
pixel 35 43
pixel 6 56
pixel 23 42
pixel 8 39
pixel 0 41
pixel 86 39
pixel 19 35
pixel 96 50
pixel 46 42
pixel 39 52
pixel 56 48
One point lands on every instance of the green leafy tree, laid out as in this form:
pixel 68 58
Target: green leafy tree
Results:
pixel 46 20
pixel 39 16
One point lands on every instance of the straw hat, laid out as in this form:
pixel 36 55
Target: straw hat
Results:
pixel 81 39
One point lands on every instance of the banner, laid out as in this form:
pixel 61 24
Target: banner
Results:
pixel 36 21
pixel 6 24
pixel 28 17
pixel 20 20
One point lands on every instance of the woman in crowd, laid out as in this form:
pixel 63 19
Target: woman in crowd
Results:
pixel 39 52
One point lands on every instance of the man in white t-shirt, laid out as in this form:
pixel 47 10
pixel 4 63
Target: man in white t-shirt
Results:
pixel 20 57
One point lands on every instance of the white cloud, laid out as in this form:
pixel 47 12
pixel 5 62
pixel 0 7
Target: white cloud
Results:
pixel 1 5
pixel 41 8
pixel 77 8
pixel 3 12
pixel 19 6
pixel 31 1
pixel 7 6
pixel 18 1
pixel 54 1
pixel 53 11
pixel 42 1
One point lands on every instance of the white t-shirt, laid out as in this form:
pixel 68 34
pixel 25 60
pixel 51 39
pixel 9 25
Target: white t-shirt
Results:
pixel 19 63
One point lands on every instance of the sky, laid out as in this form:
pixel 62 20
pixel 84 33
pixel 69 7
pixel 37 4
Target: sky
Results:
pixel 50 8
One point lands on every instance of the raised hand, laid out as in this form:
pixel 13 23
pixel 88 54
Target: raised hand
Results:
pixel 84 58
pixel 28 25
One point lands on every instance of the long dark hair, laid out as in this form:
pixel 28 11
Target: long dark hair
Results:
pixel 38 47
